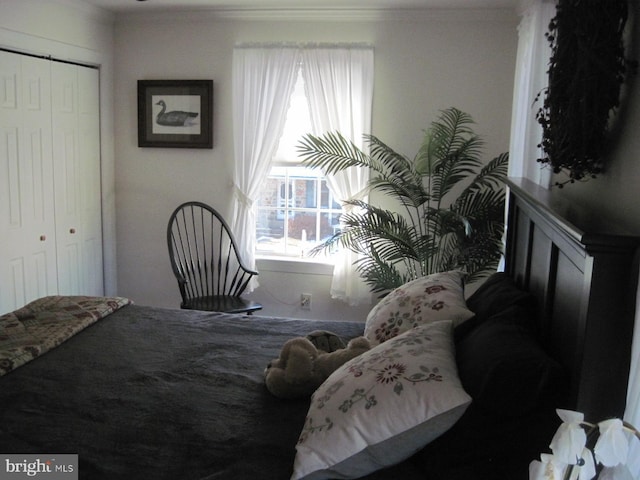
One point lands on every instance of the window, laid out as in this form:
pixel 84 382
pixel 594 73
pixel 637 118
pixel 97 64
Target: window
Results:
pixel 341 91
pixel 295 210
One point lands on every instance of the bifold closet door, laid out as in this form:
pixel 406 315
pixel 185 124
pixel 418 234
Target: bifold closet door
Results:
pixel 27 225
pixel 76 161
pixel 50 197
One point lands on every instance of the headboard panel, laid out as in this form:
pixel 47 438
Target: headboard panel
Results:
pixel 584 274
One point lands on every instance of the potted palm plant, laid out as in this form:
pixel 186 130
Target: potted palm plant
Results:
pixel 451 213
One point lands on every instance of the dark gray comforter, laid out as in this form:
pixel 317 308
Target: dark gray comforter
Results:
pixel 163 394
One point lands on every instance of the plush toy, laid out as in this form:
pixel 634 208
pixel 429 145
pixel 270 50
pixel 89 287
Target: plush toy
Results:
pixel 326 341
pixel 301 367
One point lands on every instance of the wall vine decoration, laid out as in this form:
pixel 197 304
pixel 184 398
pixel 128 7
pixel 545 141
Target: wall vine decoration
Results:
pixel 586 71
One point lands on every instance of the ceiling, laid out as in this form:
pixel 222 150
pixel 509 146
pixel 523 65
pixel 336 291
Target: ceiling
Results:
pixel 130 6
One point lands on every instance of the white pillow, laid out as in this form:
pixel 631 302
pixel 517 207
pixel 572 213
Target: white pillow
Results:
pixel 439 296
pixel 383 406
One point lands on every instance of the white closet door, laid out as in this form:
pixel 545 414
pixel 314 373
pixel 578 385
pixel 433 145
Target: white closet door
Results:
pixel 27 229
pixel 90 185
pixel 76 160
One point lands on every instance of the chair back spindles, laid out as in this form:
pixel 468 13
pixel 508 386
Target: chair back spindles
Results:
pixel 205 259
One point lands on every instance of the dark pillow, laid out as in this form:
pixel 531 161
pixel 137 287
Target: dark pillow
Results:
pixel 483 446
pixel 503 368
pixel 496 295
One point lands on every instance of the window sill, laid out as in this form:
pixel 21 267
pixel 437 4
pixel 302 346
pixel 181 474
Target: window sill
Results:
pixel 294 265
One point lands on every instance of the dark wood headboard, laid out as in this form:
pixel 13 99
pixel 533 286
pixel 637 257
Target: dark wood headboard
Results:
pixel 584 274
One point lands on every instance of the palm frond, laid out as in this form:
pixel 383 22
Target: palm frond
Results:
pixel 480 254
pixel 392 164
pixel 381 276
pixel 441 221
pixel 397 176
pixel 388 232
pixel 427 249
pixel 490 175
pixel 332 153
pixel 453 151
pixel 448 257
pixel 409 194
pixel 483 207
pixel 431 234
pixel 426 154
pixel 452 132
pixel 449 172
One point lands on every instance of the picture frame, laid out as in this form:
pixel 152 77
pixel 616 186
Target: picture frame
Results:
pixel 175 113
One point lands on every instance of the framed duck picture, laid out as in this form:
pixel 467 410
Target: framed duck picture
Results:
pixel 175 113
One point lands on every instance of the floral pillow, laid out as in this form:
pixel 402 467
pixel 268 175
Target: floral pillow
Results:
pixel 439 296
pixel 383 406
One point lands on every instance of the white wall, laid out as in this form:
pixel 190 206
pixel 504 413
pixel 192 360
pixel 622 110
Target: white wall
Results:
pixel 71 30
pixel 425 62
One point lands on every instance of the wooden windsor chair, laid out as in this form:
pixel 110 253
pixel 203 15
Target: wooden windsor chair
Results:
pixel 205 260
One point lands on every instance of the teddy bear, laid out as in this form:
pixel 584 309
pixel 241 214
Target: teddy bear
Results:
pixel 302 367
pixel 326 341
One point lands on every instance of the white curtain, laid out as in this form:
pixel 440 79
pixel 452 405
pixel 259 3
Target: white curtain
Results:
pixel 530 79
pixel 339 86
pixel 263 79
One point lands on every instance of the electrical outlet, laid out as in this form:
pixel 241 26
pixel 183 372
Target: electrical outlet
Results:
pixel 305 301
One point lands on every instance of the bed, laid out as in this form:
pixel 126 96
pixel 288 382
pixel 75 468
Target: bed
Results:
pixel 144 392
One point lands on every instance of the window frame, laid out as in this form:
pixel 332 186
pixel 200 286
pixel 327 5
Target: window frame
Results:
pixel 330 209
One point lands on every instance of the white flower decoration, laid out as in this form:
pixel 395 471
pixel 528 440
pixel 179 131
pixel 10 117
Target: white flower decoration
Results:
pixel 573 460
pixel 569 441
pixel 587 467
pixel 619 472
pixel 547 468
pixel 612 446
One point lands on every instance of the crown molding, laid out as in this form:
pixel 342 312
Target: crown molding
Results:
pixel 323 15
